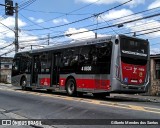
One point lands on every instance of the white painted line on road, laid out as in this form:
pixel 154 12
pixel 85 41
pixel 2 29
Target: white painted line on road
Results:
pixel 148 108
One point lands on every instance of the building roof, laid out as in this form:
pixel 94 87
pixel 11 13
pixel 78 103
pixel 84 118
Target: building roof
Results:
pixel 6 59
pixel 156 56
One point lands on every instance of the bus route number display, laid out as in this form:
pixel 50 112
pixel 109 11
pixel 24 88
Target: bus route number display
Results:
pixel 86 68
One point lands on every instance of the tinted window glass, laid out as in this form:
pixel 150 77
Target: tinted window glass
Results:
pixel 134 47
pixel 135 61
pixel 104 52
pixel 44 63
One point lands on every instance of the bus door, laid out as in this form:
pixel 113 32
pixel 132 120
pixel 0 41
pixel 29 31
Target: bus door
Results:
pixel 56 69
pixel 35 70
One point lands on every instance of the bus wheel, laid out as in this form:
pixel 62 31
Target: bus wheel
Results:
pixel 71 87
pixel 23 83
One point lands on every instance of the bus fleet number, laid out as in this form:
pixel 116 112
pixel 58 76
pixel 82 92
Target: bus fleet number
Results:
pixel 86 68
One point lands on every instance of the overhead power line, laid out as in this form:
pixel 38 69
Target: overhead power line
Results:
pixel 68 12
pixel 148 32
pixel 123 17
pixel 6 46
pixel 108 24
pixel 83 18
pixel 64 14
pixel 26 4
pixel 130 21
pixel 143 30
pixel 84 38
pixel 30 21
pixel 113 19
pixel 7 52
pixel 110 20
pixel 7 27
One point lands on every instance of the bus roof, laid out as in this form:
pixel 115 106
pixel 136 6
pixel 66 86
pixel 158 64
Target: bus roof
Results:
pixel 78 43
pixel 71 44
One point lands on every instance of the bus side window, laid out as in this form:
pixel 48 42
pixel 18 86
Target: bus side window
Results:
pixel 81 58
pixel 44 63
pixel 66 61
pixel 15 64
pixel 86 54
pixel 70 57
pixel 74 60
pixel 104 51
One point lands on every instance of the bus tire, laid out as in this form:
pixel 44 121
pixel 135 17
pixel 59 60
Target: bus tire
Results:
pixel 24 83
pixel 71 87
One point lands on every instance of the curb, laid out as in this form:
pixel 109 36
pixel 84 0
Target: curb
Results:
pixel 3 84
pixel 138 98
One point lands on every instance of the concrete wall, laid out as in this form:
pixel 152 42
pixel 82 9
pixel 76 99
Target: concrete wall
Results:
pixel 155 83
pixel 5 72
pixel 5 76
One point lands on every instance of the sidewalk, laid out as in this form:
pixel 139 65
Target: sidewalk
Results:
pixel 3 84
pixel 139 97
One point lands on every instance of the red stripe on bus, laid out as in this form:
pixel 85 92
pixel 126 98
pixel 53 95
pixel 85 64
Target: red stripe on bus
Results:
pixel 93 84
pixel 89 83
pixel 45 81
pixel 62 81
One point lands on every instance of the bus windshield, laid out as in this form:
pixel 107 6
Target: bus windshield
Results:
pixel 134 47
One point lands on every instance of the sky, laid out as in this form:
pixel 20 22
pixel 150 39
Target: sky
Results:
pixel 40 19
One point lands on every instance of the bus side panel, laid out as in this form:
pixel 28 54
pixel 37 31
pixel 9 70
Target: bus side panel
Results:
pixel 115 65
pixel 15 80
pixel 91 83
pixel 44 80
pixel 28 77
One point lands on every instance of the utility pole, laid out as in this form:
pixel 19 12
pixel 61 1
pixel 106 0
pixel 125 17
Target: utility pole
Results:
pixel 0 68
pixel 96 35
pixel 48 38
pixel 16 28
pixel 134 34
pixel 9 10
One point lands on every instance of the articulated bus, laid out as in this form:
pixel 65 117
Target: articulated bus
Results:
pixel 118 64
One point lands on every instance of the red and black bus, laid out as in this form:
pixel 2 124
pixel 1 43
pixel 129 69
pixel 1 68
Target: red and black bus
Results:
pixel 118 64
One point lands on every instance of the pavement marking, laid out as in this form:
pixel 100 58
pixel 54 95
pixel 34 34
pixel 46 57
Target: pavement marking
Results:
pixel 137 107
pixel 93 101
pixel 152 108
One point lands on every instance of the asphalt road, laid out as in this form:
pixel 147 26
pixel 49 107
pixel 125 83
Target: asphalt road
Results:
pixel 18 104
